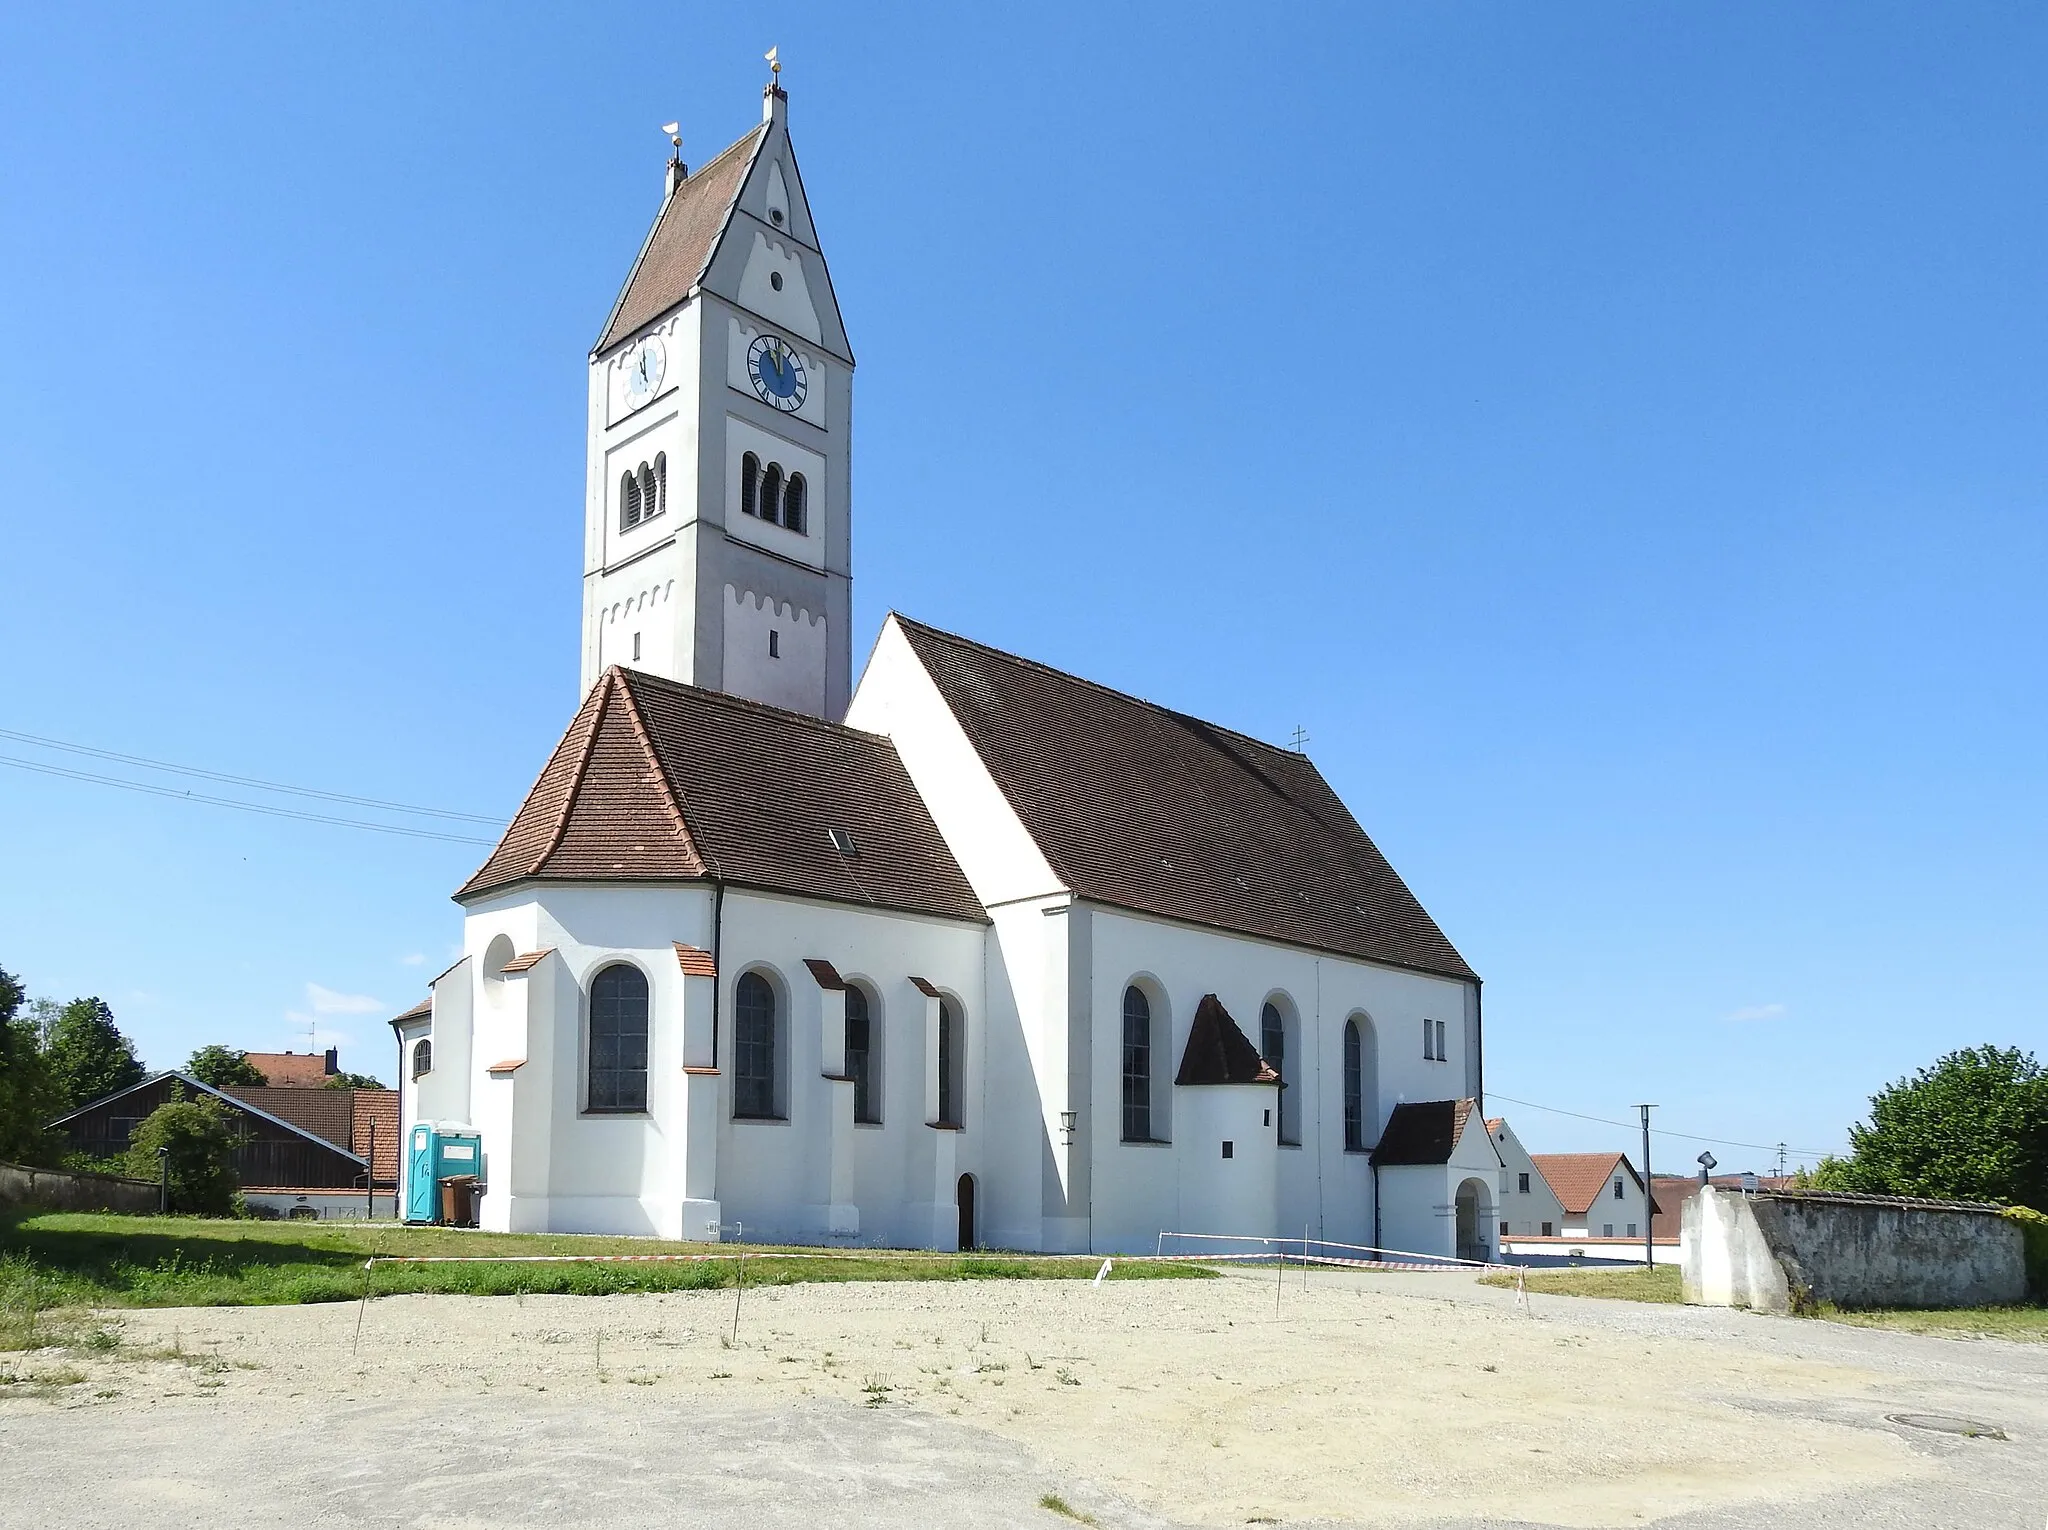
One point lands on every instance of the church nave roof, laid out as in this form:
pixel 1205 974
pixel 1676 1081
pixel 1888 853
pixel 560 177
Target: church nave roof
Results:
pixel 656 780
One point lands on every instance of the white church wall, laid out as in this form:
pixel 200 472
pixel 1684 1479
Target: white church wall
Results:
pixel 774 652
pixel 896 697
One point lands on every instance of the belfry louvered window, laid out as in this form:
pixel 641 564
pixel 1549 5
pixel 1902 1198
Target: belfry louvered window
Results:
pixel 793 503
pixel 643 492
pixel 750 485
pixel 660 482
pixel 771 493
pixel 629 501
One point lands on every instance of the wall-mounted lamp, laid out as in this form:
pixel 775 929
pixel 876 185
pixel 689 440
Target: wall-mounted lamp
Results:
pixel 1068 1120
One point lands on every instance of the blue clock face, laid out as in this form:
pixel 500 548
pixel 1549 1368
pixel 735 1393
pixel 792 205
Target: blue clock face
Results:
pixel 777 373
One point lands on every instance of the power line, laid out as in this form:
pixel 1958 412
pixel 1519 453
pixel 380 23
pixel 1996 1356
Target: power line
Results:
pixel 268 786
pixel 1660 1131
pixel 246 807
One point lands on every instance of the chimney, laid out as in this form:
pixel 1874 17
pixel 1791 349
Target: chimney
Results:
pixel 678 172
pixel 333 1061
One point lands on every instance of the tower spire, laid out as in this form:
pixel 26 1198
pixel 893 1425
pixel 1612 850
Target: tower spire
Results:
pixel 772 94
pixel 678 172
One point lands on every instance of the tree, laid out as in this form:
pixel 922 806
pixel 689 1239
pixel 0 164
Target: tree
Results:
pixel 198 1142
pixel 222 1066
pixel 88 1056
pixel 352 1081
pixel 27 1097
pixel 1974 1126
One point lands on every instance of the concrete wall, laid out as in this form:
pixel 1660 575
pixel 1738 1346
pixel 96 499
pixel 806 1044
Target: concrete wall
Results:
pixel 1776 1253
pixel 59 1191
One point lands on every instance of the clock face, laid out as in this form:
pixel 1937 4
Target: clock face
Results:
pixel 643 372
pixel 777 373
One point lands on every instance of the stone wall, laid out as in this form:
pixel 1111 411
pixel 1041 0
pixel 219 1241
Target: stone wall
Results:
pixel 1780 1252
pixel 55 1190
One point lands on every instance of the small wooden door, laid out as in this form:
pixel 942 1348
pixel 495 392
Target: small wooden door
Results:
pixel 966 1201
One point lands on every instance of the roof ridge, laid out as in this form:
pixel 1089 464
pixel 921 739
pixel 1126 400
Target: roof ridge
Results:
pixel 602 695
pixel 668 787
pixel 1095 685
pixel 747 703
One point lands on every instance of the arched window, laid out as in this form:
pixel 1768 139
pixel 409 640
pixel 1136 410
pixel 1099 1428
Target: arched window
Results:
pixel 750 485
pixel 422 1057
pixel 647 494
pixel 660 483
pixel 1137 1065
pixel 753 1037
pixel 1273 1047
pixel 860 1039
pixel 771 493
pixel 629 500
pixel 618 1040
pixel 1354 1088
pixel 793 503
pixel 949 1065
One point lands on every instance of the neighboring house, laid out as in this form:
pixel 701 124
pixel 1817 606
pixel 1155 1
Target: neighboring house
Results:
pixel 275 1153
pixel 296 1070
pixel 976 952
pixel 1429 1148
pixel 1529 1208
pixel 364 1121
pixel 1601 1193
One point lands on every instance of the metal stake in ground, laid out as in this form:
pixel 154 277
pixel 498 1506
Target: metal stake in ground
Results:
pixel 740 1288
pixel 1279 1273
pixel 365 1307
pixel 1649 1197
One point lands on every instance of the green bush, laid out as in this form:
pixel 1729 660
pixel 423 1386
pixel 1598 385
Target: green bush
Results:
pixel 2034 1228
pixel 198 1142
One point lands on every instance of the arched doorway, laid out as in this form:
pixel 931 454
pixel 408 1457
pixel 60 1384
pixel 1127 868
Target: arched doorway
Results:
pixel 1475 1219
pixel 966 1203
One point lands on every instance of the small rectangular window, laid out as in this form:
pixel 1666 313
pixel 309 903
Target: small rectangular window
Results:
pixel 774 644
pixel 1229 1149
pixel 1547 1226
pixel 1442 1052
pixel 1631 1229
pixel 1428 1042
pixel 1617 1190
pixel 1503 1229
pixel 1606 1229
pixel 636 647
pixel 1523 1183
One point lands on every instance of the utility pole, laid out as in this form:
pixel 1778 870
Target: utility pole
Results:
pixel 1649 1197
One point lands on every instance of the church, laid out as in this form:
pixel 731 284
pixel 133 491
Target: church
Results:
pixel 971 953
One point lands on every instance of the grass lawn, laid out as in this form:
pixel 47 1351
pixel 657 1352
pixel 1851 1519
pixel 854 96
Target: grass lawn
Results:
pixel 1630 1285
pixel 65 1259
pixel 1661 1285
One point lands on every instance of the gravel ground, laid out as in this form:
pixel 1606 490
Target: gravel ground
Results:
pixel 1366 1400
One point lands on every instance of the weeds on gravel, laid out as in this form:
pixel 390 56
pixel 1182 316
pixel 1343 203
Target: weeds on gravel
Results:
pixel 1055 1504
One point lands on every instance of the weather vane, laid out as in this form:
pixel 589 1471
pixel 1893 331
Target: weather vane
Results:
pixel 774 68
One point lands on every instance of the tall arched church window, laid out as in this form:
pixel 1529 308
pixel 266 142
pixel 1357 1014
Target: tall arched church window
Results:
pixel 629 500
pixel 1354 1088
pixel 1137 1065
pixel 618 1040
pixel 771 493
pixel 793 508
pixel 753 1048
pixel 750 485
pixel 949 1065
pixel 1273 1047
pixel 660 482
pixel 860 1055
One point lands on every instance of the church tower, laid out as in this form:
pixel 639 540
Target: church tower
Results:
pixel 717 545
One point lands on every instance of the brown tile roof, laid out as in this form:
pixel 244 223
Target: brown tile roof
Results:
pixel 924 986
pixel 1148 809
pixel 526 961
pixel 660 781
pixel 293 1070
pixel 374 1131
pixel 509 1065
pixel 1219 1052
pixel 826 974
pixel 1579 1179
pixel 1423 1132
pixel 680 246
pixel 423 1008
pixel 326 1113
pixel 695 961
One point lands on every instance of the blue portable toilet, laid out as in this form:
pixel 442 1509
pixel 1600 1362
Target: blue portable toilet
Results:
pixel 435 1153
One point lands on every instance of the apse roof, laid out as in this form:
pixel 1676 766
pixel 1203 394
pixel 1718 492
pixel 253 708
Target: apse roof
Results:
pixel 656 780
pixel 1137 806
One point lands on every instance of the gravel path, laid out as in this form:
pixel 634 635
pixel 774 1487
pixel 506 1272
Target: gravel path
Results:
pixel 1367 1400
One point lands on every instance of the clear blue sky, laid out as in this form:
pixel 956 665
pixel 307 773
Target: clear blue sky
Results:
pixel 1616 434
